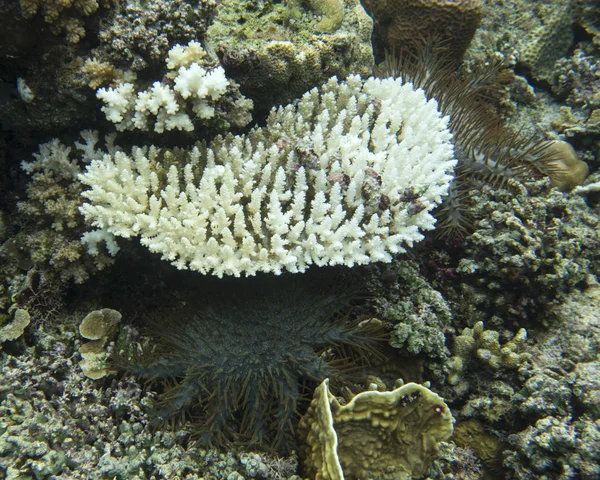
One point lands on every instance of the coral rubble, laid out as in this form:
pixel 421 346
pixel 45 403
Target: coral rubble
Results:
pixel 56 423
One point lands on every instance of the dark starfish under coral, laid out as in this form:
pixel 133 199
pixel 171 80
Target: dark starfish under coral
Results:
pixel 237 364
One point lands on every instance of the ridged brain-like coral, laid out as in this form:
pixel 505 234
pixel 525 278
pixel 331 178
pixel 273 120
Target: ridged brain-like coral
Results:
pixel 406 23
pixel 384 435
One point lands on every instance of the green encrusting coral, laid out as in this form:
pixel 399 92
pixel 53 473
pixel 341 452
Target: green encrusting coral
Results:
pixel 419 315
pixel 332 12
pixel 530 247
pixel 279 50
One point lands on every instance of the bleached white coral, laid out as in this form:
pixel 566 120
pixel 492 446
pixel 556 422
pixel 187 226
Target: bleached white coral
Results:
pixel 93 238
pixel 164 105
pixel 55 157
pixel 347 175
pixel 119 104
pixel 184 56
pixel 197 82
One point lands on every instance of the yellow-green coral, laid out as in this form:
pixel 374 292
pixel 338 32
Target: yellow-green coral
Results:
pixel 63 16
pixel 284 49
pixel 98 326
pixel 485 344
pixel 332 12
pixel 15 329
pixel 384 435
pixel 97 73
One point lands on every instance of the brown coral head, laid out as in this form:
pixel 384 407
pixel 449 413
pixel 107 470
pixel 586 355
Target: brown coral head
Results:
pixel 565 169
pixel 404 23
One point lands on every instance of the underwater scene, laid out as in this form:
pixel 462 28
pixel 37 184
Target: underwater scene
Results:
pixel 300 239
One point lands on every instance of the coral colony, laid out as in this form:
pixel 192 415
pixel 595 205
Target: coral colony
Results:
pixel 347 175
pixel 287 229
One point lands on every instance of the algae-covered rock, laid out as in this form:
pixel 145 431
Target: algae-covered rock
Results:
pixel 559 403
pixel 384 435
pixel 555 444
pixel 280 50
pixel 98 326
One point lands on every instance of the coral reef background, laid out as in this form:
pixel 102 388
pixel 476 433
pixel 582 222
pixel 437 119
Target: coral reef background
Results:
pixel 107 369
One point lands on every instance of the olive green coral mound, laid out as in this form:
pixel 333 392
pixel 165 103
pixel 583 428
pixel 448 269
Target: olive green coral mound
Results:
pixel 281 50
pixel 332 12
pixel 384 435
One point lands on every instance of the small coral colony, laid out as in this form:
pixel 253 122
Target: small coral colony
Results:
pixel 299 239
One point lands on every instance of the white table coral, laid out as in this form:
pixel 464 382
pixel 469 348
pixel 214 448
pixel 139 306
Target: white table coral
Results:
pixel 347 175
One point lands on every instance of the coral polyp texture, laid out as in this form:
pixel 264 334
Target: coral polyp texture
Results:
pixel 348 175
pixel 236 364
pixel 280 50
pixel 384 435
